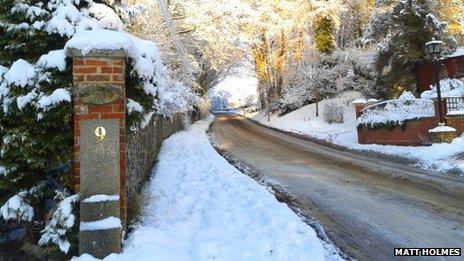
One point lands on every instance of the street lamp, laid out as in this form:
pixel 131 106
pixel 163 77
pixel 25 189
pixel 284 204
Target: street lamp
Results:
pixel 434 49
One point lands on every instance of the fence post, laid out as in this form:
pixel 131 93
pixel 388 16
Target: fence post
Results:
pixel 443 105
pixel 99 148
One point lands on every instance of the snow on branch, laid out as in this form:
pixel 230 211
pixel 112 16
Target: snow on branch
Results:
pixel 16 208
pixel 62 222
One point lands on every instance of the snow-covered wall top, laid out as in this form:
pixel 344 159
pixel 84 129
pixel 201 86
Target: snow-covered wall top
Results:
pixel 406 107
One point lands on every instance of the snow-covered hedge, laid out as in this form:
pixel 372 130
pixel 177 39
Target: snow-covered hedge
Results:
pixel 396 112
pixel 448 88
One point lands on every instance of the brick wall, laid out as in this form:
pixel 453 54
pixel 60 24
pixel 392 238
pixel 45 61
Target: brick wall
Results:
pixel 101 70
pixel 456 122
pixel 415 133
pixel 92 70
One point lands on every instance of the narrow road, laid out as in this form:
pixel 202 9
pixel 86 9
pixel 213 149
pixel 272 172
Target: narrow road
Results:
pixel 367 206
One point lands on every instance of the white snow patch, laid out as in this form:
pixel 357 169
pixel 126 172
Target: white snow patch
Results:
pixel 146 119
pixel 459 52
pixel 16 208
pixel 57 96
pixel 23 100
pixel 456 112
pixel 407 96
pixel 133 106
pixel 20 74
pixel 100 39
pixel 359 101
pixel 107 223
pixel 442 129
pixel 101 198
pixel 54 59
pixel 106 16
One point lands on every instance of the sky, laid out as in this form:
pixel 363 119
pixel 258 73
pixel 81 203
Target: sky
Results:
pixel 240 85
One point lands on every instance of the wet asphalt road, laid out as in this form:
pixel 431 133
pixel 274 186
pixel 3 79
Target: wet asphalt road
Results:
pixel 366 212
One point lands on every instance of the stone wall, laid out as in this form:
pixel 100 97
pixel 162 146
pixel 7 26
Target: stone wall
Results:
pixel 415 133
pixel 143 148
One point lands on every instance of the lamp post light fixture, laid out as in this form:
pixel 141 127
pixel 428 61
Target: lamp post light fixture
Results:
pixel 442 133
pixel 435 49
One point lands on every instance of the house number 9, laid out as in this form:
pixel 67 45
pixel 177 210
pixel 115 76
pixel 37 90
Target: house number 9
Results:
pixel 100 132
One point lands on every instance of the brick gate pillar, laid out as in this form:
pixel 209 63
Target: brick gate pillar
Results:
pixel 99 148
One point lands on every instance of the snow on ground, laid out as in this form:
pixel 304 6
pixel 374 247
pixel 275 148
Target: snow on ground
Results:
pixel 204 208
pixel 441 157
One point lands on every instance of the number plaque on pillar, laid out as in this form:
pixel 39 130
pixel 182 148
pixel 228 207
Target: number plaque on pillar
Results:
pixel 99 149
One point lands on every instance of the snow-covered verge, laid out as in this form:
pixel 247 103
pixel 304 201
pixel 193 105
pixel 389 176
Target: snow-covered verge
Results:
pixel 203 208
pixel 441 157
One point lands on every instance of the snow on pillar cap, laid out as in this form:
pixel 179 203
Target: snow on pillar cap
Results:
pixel 359 101
pixel 442 129
pixel 98 43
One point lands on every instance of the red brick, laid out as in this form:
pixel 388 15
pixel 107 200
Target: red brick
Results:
pixel 106 69
pixel 78 62
pixel 84 69
pixel 101 109
pixel 96 62
pixel 118 62
pixel 78 78
pixel 118 78
pixel 97 78
pixel 86 117
pixel 416 133
pixel 113 116
pixel 118 69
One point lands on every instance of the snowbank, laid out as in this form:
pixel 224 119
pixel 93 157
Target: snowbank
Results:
pixel 440 157
pixel 202 208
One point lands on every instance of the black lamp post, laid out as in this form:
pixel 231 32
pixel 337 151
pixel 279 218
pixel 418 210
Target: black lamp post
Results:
pixel 434 49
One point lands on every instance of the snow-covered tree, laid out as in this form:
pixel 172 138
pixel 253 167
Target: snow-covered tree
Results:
pixel 451 11
pixel 412 25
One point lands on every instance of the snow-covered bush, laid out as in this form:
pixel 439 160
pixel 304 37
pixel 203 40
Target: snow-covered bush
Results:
pixel 448 88
pixel 333 113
